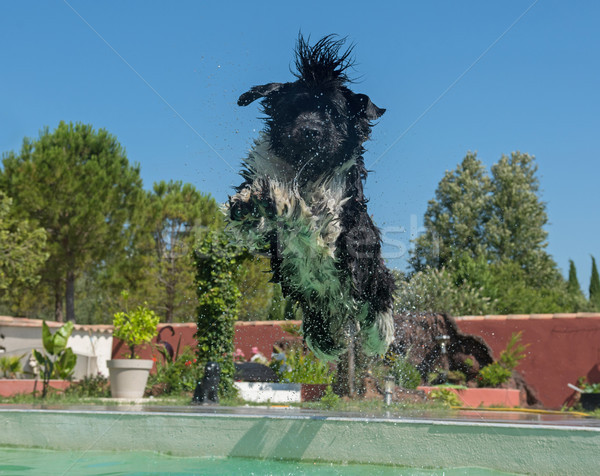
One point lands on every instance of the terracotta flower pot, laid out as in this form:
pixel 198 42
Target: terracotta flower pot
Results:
pixel 313 392
pixel 128 377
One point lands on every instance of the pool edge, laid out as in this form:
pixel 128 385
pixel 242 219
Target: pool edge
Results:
pixel 427 443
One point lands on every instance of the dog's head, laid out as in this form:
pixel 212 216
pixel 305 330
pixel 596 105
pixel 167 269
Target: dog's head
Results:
pixel 316 117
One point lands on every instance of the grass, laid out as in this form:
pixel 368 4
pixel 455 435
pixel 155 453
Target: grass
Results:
pixel 55 398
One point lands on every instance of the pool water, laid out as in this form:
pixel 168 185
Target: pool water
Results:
pixel 23 461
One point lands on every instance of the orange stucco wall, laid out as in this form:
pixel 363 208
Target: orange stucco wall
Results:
pixel 561 347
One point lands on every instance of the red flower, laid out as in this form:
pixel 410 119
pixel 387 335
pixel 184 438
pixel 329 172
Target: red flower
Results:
pixel 154 359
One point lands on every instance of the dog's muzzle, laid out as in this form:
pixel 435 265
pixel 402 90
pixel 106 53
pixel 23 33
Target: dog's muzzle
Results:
pixel 308 135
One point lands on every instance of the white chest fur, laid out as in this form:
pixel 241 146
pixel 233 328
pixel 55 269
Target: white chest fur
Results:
pixel 319 200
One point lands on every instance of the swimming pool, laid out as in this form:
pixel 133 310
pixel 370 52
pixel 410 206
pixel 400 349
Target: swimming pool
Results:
pixel 506 442
pixel 28 461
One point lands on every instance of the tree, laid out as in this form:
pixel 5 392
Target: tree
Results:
pixel 22 251
pixel 488 235
pixel 573 283
pixel 99 287
pixel 579 302
pixel 595 287
pixel 512 292
pixel 515 231
pixel 178 213
pixel 455 220
pixel 217 263
pixel 78 185
pixel 435 290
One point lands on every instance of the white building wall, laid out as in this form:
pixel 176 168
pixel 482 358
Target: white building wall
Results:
pixel 92 344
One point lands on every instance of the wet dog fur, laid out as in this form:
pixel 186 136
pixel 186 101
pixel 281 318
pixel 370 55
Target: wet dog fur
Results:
pixel 302 201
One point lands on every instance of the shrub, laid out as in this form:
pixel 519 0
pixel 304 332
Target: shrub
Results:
pixel 10 365
pixel 497 373
pixel 588 387
pixel 457 377
pixel 175 376
pixel 493 375
pixel 217 261
pixel 404 372
pixel 301 367
pixel 95 386
pixel 58 361
pixel 445 396
pixel 514 352
pixel 330 399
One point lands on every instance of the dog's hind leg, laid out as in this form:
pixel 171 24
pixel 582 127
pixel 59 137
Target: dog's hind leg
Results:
pixel 359 251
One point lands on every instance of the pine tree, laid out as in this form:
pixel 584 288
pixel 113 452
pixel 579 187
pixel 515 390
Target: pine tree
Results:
pixel 22 251
pixel 595 287
pixel 78 185
pixel 177 213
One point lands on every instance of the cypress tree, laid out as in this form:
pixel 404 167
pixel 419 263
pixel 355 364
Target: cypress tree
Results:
pixel 573 283
pixel 595 287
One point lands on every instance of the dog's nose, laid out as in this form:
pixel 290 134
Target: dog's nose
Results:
pixel 311 132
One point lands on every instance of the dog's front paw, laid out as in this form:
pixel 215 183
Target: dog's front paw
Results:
pixel 251 202
pixel 240 205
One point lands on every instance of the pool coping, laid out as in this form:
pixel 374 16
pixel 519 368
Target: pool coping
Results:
pixel 220 412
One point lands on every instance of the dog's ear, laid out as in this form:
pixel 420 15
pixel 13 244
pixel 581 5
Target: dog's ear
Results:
pixel 362 105
pixel 258 92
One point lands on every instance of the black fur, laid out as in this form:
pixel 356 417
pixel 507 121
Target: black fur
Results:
pixel 319 117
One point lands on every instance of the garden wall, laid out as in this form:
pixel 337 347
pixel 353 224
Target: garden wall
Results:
pixel 248 334
pixel 562 347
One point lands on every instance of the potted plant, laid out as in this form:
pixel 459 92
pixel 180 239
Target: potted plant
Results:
pixel 590 394
pixel 314 375
pixel 128 377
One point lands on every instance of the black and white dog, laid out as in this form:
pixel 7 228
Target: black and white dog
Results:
pixel 302 202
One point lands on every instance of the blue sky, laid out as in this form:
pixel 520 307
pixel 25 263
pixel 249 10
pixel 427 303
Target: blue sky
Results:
pixel 164 78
